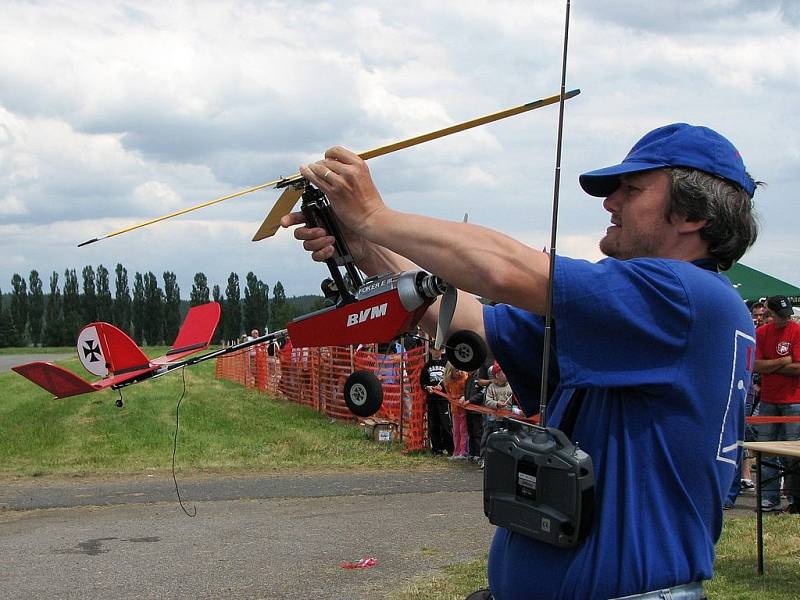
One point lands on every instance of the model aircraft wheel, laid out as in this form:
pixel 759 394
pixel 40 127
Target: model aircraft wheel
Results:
pixel 466 350
pixel 363 393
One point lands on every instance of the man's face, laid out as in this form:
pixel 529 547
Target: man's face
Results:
pixel 780 322
pixel 639 225
pixel 759 316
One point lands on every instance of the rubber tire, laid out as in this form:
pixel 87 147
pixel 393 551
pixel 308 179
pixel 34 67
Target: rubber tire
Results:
pixel 466 350
pixel 363 393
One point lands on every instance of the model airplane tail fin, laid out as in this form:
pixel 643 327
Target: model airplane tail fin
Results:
pixel 195 333
pixel 102 348
pixel 56 380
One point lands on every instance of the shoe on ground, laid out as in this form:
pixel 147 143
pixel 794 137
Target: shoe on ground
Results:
pixel 481 464
pixel 483 594
pixel 770 506
pixel 748 484
pixel 457 457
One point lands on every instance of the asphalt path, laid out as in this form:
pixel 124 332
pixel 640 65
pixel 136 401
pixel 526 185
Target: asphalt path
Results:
pixel 282 536
pixel 11 360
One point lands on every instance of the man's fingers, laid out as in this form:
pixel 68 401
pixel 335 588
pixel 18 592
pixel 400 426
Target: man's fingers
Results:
pixel 318 243
pixel 294 218
pixel 342 155
pixel 322 255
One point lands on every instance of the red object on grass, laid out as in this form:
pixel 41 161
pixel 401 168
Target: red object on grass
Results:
pixel 364 563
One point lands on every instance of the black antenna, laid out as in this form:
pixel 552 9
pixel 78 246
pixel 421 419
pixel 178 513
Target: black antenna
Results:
pixel 548 315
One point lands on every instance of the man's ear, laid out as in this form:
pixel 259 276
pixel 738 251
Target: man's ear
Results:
pixel 684 225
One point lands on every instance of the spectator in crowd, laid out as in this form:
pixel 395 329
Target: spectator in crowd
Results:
pixel 648 338
pixel 454 382
pixel 759 312
pixel 498 397
pixel 475 393
pixel 778 361
pixel 440 428
pixel 251 357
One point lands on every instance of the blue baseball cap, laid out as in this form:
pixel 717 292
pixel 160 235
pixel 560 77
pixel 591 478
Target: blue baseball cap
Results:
pixel 676 145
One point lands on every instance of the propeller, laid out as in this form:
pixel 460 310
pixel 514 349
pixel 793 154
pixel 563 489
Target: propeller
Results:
pixel 447 309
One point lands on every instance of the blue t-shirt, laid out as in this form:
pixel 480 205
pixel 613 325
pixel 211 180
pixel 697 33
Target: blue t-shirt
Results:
pixel 664 350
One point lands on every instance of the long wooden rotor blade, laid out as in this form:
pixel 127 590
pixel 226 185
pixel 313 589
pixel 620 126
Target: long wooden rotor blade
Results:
pixel 382 150
pixel 283 206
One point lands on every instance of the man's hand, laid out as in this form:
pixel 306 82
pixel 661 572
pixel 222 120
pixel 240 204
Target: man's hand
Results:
pixel 345 179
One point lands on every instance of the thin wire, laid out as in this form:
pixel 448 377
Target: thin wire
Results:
pixel 175 447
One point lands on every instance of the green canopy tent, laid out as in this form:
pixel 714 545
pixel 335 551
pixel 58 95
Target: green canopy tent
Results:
pixel 753 285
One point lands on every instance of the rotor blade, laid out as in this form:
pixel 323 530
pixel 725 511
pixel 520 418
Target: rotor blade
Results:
pixel 189 209
pixel 375 152
pixel 283 206
pixel 433 135
pixel 446 310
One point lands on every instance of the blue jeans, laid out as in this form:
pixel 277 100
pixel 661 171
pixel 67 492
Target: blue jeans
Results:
pixel 770 465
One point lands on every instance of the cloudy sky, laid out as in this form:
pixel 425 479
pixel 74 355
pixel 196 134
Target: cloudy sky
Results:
pixel 112 113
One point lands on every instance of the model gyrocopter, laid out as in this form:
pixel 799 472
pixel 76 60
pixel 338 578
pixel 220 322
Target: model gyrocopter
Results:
pixel 361 311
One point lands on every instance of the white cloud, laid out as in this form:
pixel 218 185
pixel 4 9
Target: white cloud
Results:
pixel 114 113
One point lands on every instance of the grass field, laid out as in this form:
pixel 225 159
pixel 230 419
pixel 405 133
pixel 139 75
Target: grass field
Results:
pixel 224 428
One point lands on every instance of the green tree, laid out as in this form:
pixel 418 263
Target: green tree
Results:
pixel 105 303
pixel 153 311
pixel 232 308
pixel 220 328
pixel 8 333
pixel 19 307
pixel 89 297
pixel 72 308
pixel 137 309
pixel 35 307
pixel 54 315
pixel 256 304
pixel 199 290
pixel 172 307
pixel 280 312
pixel 121 312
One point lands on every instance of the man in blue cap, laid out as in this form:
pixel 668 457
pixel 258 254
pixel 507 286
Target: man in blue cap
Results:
pixel 657 343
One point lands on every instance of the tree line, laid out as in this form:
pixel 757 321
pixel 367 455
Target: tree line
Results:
pixel 148 313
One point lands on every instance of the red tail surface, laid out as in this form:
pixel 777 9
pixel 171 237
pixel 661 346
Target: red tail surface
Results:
pixel 117 351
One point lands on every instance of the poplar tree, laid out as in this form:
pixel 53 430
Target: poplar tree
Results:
pixel 280 312
pixel 256 304
pixel 54 315
pixel 153 310
pixel 105 303
pixel 72 308
pixel 121 312
pixel 232 308
pixel 35 307
pixel 172 307
pixel 89 297
pixel 137 309
pixel 19 307
pixel 220 328
pixel 199 293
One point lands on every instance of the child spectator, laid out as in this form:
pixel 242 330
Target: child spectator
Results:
pixel 498 396
pixel 440 429
pixel 454 382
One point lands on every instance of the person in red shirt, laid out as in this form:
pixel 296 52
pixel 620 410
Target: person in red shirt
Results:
pixel 778 361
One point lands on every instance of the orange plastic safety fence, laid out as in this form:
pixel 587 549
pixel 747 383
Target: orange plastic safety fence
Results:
pixel 316 377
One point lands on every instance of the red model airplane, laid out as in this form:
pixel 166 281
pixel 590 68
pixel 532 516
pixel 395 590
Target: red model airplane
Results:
pixel 107 352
